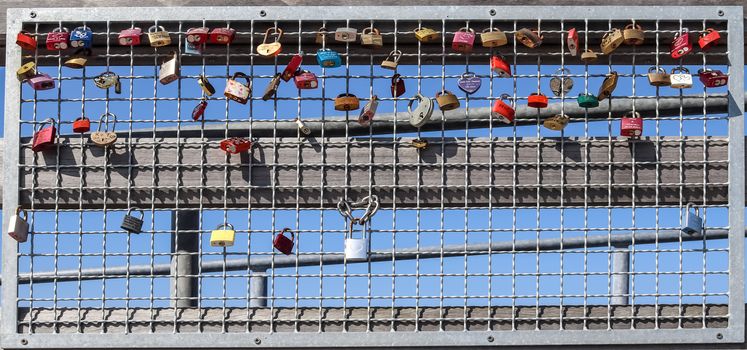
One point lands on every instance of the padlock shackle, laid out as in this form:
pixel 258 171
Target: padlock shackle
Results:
pixel 60 30
pixel 242 75
pixel 680 69
pixel 371 30
pixel 563 70
pixel 44 122
pixel 142 214
pixel 633 26
pixel 395 55
pixel 707 31
pixel 443 92
pixel 105 120
pixel 224 225
pixel 395 78
pixel 660 70
pixel 466 29
pixel 632 114
pixel 691 205
pixel 345 95
pixel 276 30
pixel 155 28
pixel 82 118
pixel 490 30
pixel 287 229
pixel 20 210
pixel 683 31
pixel 349 234
pixel 468 74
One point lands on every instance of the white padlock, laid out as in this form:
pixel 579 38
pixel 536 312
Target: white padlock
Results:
pixel 18 228
pixel 356 249
pixel 680 78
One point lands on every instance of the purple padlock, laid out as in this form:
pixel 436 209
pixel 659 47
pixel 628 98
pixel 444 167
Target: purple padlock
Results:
pixel 469 83
pixel 41 81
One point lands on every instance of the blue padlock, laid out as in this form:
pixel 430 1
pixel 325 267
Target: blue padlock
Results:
pixel 328 58
pixel 693 223
pixel 81 37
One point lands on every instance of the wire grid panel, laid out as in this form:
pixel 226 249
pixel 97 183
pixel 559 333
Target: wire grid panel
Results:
pixel 493 235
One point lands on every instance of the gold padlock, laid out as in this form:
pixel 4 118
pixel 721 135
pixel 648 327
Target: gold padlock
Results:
pixel 608 86
pixel 158 36
pixel 557 122
pixel 658 76
pixel 79 59
pixel 205 85
pixel 169 69
pixel 346 102
pixel 419 144
pixel 493 37
pixel 424 34
pixel 370 37
pixel 271 49
pixel 611 41
pixel 392 60
pixel 589 56
pixel 633 34
pixel 446 100
pixel 531 38
pixel 272 87
pixel 106 137
pixel 26 71
pixel 321 36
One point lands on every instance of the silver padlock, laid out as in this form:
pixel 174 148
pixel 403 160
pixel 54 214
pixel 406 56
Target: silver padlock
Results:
pixel 693 223
pixel 346 35
pixel 560 85
pixel 131 223
pixel 356 249
pixel 681 79
pixel 169 69
pixel 18 227
pixel 369 110
pixel 302 127
pixel 422 113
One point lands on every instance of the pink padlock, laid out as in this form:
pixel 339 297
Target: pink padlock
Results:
pixel 41 81
pixel 130 36
pixel 58 39
pixel 464 40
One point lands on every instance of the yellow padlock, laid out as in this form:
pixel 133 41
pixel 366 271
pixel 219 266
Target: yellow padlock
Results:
pixel 424 34
pixel 26 71
pixel 493 37
pixel 221 237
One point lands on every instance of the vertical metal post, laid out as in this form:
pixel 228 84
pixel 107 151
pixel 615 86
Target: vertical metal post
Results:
pixel 258 291
pixel 184 242
pixel 620 274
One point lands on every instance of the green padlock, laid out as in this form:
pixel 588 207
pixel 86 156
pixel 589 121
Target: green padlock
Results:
pixel 587 101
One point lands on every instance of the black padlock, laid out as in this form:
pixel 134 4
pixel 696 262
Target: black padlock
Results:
pixel 133 224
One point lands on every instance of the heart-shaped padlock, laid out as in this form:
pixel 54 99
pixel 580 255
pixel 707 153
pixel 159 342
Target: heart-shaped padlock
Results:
pixel 271 49
pixel 469 83
pixel 562 85
pixel 106 137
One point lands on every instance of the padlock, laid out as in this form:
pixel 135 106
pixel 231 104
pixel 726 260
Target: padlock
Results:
pixel 199 111
pixel 169 69
pixel 589 56
pixel 328 58
pixel 81 37
pixel 284 244
pixel 237 91
pixel 693 222
pixel 158 36
pixel 82 125
pixel 530 38
pixel 356 249
pixel 464 40
pixel 222 36
pixel 27 71
pixel 537 100
pixel 18 227
pixel 557 122
pixel 712 78
pixel 368 111
pixel 392 60
pixel 223 236
pixel 371 38
pixel 681 79
pixel 398 86
pixel 108 79
pixel 41 81
pixel 205 85
pixel 493 37
pixel 272 88
pixel 271 49
pixel 419 144
pixel 422 112
pixel 469 83
pixel 500 66
pixel 321 36
pixel 346 102
pixel 633 34
pixel 106 137
pixel 587 101
pixel 26 40
pixel 425 34
pixel 681 44
pixel 561 85
pixel 193 49
pixel 131 223
pixel 292 67
pixel 572 41
pixel 44 137
pixel 305 80
pixel 608 86
pixel 631 125
pixel 446 100
pixel 79 59
pixel 708 38
pixel 302 127
pixel 503 112
pixel 198 36
pixel 346 34
pixel 235 145
pixel 611 41
pixel 130 36
pixel 658 77
pixel 58 39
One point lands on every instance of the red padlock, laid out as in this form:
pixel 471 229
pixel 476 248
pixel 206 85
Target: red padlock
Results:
pixel 631 125
pixel 235 145
pixel 44 137
pixel 681 45
pixel 502 111
pixel 58 39
pixel 199 111
pixel 398 86
pixel 572 41
pixel 537 100
pixel 292 67
pixel 709 38
pixel 223 36
pixel 712 78
pixel 130 36
pixel 464 40
pixel 284 244
pixel 305 80
pixel 26 40
pixel 82 125
pixel 197 36
pixel 500 67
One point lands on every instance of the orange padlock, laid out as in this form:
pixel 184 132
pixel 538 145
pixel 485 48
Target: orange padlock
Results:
pixel 82 125
pixel 537 100
pixel 26 40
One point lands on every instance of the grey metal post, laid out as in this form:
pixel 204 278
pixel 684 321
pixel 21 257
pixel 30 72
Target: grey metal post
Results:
pixel 258 291
pixel 620 276
pixel 184 241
